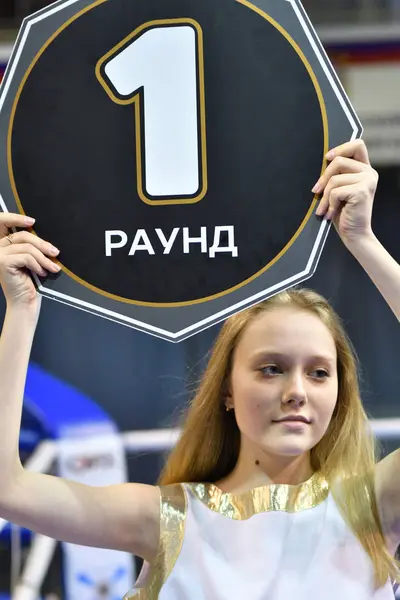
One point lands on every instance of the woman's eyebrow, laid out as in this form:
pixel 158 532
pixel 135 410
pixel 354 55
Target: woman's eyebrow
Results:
pixel 275 355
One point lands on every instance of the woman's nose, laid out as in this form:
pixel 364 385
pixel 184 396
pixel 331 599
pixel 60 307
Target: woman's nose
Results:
pixel 295 393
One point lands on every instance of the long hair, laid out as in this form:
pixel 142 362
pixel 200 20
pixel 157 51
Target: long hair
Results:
pixel 209 446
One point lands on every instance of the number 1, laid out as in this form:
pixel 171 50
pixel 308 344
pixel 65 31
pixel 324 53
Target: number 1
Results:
pixel 161 67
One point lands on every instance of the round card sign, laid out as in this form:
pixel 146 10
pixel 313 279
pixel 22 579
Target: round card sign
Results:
pixel 169 150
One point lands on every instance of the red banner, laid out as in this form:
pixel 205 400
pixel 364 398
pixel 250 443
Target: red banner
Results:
pixel 364 52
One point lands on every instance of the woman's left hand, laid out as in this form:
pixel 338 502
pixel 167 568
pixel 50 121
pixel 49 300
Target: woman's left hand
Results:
pixel 348 189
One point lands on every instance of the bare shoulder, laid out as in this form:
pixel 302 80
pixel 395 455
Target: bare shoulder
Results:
pixel 137 517
pixel 387 488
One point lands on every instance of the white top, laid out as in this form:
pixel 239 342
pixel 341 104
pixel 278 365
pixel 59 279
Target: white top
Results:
pixel 275 542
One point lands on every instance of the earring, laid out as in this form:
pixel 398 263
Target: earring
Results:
pixel 228 408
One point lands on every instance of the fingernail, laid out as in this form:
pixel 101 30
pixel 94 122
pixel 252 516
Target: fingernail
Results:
pixel 56 267
pixel 330 155
pixel 54 250
pixel 29 221
pixel 317 187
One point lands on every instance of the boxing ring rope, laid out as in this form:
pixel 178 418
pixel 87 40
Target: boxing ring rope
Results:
pixel 156 440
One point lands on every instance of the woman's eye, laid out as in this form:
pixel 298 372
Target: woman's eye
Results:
pixel 271 370
pixel 320 373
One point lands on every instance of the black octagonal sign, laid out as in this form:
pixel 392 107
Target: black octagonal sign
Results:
pixel 169 150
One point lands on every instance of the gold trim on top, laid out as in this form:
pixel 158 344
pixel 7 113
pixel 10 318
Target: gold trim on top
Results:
pixel 136 101
pixel 173 511
pixel 269 498
pixel 101 292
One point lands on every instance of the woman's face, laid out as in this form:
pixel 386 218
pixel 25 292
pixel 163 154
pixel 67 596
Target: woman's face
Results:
pixel 284 367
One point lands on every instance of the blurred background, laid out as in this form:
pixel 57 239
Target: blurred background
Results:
pixel 143 383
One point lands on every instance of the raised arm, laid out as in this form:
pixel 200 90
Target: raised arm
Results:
pixel 122 517
pixel 348 189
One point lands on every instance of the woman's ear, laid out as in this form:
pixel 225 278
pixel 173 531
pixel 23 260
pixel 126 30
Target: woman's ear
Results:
pixel 227 395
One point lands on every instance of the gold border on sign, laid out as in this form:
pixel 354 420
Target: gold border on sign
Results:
pixel 310 211
pixel 136 101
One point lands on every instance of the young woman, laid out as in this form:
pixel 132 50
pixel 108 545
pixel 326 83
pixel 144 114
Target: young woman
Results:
pixel 283 497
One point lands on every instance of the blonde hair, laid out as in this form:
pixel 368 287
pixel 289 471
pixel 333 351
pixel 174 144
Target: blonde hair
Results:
pixel 208 448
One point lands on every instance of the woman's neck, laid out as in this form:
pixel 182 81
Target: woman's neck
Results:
pixel 258 468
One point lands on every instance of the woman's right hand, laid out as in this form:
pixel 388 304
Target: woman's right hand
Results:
pixel 20 252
